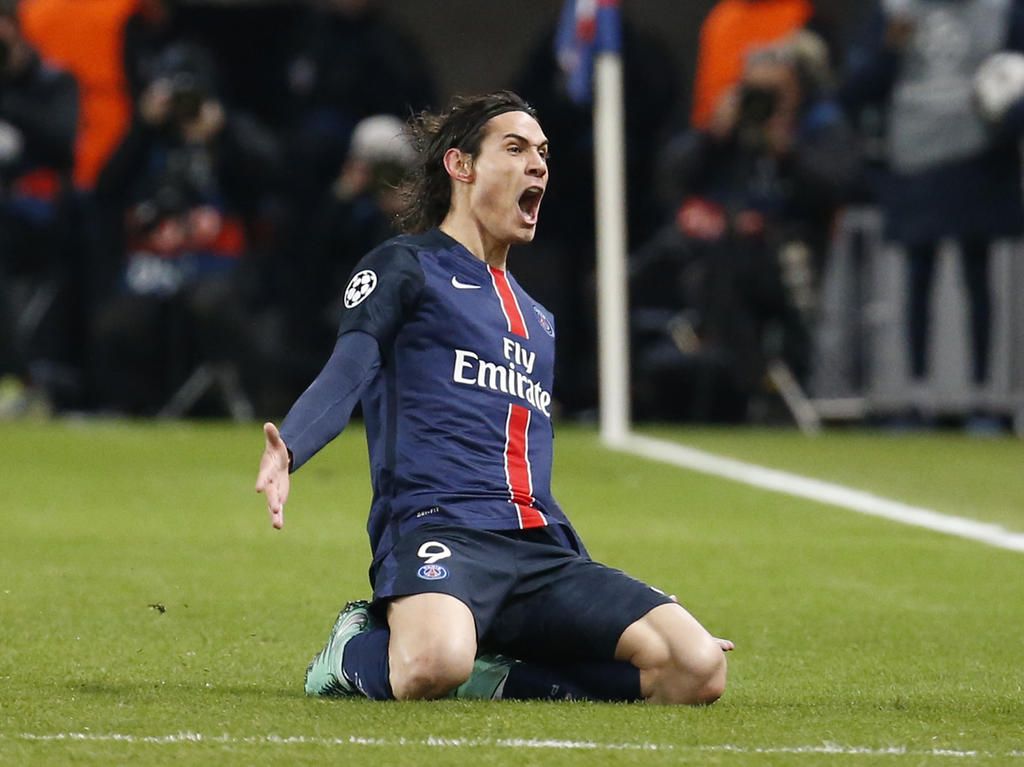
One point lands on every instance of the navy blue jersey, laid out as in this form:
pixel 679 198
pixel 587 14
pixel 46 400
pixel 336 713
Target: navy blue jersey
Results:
pixel 458 414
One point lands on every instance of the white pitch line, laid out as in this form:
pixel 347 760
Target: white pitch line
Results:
pixel 820 491
pixel 518 743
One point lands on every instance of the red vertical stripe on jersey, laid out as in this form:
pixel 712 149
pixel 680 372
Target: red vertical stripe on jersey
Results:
pixel 517 466
pixel 509 305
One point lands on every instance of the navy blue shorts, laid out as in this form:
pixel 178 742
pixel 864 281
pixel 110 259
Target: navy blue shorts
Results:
pixel 531 595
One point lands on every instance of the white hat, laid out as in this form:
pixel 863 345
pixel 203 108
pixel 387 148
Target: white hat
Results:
pixel 999 83
pixel 381 138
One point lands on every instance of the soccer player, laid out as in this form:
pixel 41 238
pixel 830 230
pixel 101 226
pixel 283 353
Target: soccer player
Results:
pixel 452 361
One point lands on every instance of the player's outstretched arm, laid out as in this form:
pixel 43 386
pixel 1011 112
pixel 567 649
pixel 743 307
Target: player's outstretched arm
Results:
pixel 273 478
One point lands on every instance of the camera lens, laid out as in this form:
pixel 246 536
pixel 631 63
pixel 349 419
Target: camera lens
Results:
pixel 757 105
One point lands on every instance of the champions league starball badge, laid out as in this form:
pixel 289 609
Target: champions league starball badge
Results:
pixel 359 287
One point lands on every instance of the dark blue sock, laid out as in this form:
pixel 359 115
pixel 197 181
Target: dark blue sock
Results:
pixel 365 663
pixel 597 680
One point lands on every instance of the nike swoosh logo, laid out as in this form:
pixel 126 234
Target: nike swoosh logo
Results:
pixel 463 285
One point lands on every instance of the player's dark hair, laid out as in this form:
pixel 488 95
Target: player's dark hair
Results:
pixel 461 126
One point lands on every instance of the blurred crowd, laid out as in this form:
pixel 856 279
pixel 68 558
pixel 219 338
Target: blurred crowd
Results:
pixel 166 247
pixel 179 215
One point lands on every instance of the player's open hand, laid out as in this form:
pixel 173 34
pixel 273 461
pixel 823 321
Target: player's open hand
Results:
pixel 273 478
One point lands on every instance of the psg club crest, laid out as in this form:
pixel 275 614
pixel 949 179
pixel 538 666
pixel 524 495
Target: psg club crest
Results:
pixel 544 322
pixel 359 287
pixel 432 572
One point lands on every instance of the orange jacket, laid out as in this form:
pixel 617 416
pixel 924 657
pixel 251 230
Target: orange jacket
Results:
pixel 86 38
pixel 730 31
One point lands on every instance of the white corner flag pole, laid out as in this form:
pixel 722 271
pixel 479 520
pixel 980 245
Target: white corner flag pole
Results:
pixel 612 277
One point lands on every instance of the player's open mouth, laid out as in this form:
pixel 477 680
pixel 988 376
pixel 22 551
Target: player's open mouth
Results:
pixel 529 203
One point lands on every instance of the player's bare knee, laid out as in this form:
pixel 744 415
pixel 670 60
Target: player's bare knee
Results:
pixel 713 689
pixel 694 678
pixel 705 674
pixel 429 675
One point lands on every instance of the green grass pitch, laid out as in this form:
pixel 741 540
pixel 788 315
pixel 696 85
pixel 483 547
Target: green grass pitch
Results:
pixel 149 615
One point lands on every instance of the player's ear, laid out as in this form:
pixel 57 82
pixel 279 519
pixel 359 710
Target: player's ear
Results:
pixel 459 165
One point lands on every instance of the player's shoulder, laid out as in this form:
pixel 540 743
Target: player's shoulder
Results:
pixel 405 246
pixel 407 254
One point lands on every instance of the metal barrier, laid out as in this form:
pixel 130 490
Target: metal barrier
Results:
pixel 861 360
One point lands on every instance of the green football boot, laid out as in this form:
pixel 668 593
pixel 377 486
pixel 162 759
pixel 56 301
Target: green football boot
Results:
pixel 487 682
pixel 325 675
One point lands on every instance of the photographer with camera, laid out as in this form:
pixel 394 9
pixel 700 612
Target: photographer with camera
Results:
pixel 181 194
pixel 729 287
pixel 38 115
